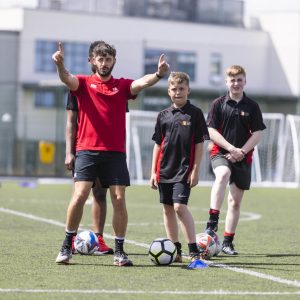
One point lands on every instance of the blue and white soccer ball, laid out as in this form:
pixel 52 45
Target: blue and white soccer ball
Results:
pixel 162 251
pixel 86 242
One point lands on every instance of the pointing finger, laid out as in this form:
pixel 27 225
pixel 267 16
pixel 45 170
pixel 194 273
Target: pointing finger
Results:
pixel 60 47
pixel 162 58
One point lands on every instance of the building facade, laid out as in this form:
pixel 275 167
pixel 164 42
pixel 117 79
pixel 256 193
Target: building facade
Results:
pixel 33 99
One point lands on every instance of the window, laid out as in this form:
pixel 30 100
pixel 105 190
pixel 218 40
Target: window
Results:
pixel 76 56
pixel 180 61
pixel 215 73
pixel 43 56
pixel 44 99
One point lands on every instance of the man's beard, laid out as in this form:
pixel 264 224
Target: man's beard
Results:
pixel 105 72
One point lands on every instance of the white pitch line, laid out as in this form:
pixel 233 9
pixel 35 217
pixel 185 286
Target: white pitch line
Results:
pixel 239 270
pixel 139 292
pixel 247 217
pixel 257 274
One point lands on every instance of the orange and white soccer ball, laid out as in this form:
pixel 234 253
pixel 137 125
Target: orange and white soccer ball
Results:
pixel 206 245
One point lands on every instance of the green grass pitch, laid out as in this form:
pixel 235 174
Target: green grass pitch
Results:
pixel 31 232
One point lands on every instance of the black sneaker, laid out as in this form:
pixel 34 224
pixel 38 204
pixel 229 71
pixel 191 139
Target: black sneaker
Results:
pixel 64 255
pixel 178 258
pixel 212 225
pixel 121 260
pixel 194 256
pixel 229 249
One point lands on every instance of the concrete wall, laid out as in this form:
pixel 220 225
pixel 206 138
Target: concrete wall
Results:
pixel 250 48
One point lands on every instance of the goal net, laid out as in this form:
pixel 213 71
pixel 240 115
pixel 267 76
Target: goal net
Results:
pixel 276 159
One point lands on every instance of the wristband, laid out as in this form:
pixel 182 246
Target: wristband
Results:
pixel 158 76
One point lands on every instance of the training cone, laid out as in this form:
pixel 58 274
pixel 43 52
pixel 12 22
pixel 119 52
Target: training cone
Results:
pixel 197 264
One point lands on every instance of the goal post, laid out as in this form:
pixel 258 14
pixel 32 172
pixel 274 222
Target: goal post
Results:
pixel 276 159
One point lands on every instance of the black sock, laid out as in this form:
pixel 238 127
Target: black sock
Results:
pixel 178 247
pixel 214 215
pixel 68 239
pixel 193 248
pixel 119 245
pixel 228 239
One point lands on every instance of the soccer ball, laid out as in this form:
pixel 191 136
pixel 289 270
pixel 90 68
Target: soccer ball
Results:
pixel 206 245
pixel 218 241
pixel 162 251
pixel 86 242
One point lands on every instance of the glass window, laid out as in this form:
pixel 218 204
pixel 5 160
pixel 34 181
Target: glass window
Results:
pixel 43 56
pixel 180 61
pixel 76 57
pixel 215 74
pixel 44 99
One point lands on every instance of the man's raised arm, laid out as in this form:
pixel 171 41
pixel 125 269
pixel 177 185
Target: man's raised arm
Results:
pixel 65 76
pixel 150 79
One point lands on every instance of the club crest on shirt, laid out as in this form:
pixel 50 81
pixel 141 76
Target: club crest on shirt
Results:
pixel 185 123
pixel 244 113
pixel 94 86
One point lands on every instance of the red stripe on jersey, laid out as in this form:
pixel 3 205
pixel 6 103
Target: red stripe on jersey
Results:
pixel 159 159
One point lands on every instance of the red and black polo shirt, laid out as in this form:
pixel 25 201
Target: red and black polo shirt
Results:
pixel 235 121
pixel 177 131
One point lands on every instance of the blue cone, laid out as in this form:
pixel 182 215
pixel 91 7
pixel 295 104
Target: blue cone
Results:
pixel 197 264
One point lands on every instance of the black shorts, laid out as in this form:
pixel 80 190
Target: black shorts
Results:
pixel 240 171
pixel 109 166
pixel 170 193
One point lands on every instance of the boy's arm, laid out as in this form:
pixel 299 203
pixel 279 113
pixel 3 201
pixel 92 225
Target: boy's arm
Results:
pixel 252 142
pixel 194 175
pixel 65 76
pixel 153 178
pixel 236 153
pixel 150 79
pixel 71 131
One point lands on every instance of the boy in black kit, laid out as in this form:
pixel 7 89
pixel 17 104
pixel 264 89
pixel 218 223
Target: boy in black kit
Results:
pixel 235 126
pixel 179 135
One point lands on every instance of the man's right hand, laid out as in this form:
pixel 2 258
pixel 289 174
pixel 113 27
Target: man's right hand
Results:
pixel 69 161
pixel 58 56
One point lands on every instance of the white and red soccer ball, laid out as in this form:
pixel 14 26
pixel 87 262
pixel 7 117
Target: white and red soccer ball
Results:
pixel 209 244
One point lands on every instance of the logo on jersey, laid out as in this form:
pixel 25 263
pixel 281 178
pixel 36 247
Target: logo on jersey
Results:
pixel 186 123
pixel 244 113
pixel 94 86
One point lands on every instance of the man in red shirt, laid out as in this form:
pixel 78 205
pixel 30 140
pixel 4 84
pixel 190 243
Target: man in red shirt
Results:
pixel 99 206
pixel 100 142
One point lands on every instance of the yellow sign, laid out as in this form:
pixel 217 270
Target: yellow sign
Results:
pixel 46 152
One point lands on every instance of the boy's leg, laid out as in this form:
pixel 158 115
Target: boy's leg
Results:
pixel 186 221
pixel 235 197
pixel 169 215
pixel 222 174
pixel 170 222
